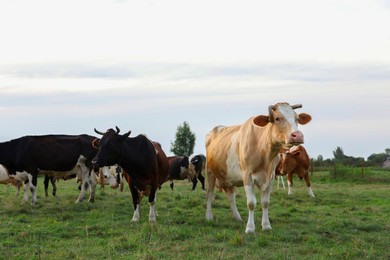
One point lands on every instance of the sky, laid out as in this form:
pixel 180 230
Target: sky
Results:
pixel 67 67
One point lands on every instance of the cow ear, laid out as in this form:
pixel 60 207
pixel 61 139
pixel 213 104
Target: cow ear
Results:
pixel 296 153
pixel 304 118
pixel 260 120
pixel 123 137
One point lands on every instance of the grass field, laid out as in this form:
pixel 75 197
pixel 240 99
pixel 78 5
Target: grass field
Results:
pixel 346 220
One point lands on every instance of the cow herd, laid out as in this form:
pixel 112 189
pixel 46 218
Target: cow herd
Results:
pixel 246 155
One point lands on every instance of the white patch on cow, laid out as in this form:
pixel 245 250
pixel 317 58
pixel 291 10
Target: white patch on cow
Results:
pixel 136 214
pixel 152 212
pixel 294 148
pixel 311 194
pixel 290 192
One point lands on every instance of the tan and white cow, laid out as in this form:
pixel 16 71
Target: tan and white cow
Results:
pixel 247 155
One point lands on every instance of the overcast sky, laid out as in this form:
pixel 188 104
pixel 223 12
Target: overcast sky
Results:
pixel 148 66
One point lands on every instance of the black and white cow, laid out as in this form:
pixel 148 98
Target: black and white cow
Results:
pixel 199 162
pixel 180 168
pixel 58 153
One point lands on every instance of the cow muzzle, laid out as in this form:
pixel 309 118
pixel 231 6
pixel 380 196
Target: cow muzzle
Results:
pixel 296 138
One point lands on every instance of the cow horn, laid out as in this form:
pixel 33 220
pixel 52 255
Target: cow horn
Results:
pixel 296 106
pixel 117 129
pixel 271 113
pixel 94 144
pixel 98 132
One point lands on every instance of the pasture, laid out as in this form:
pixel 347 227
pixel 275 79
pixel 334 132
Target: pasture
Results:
pixel 348 219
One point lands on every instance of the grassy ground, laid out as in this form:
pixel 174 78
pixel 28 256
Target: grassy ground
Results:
pixel 346 220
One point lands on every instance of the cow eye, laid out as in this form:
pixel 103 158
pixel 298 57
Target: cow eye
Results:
pixel 277 119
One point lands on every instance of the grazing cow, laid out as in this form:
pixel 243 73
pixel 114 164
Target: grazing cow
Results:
pixel 295 161
pixel 19 179
pixel 180 168
pixel 58 153
pixel 199 161
pixel 247 155
pixel 143 160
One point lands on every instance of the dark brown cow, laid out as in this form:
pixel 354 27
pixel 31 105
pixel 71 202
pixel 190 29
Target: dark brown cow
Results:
pixel 143 160
pixel 295 161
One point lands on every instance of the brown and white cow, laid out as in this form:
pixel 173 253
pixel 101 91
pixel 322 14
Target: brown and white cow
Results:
pixel 295 161
pixel 247 155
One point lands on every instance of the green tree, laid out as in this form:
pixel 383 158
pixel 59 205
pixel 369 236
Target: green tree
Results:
pixel 184 142
pixel 339 154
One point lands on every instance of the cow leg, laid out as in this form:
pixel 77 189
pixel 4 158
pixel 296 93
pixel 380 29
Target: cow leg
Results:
pixel 85 182
pixel 26 187
pixel 210 194
pixel 171 185
pixel 136 203
pixel 152 211
pixel 307 181
pixel 231 196
pixel 33 188
pixel 265 198
pixel 251 204
pixel 194 182
pixel 201 179
pixel 289 183
pixel 53 183
pixel 46 185
pixel 93 184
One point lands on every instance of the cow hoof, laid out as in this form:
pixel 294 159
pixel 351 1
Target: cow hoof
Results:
pixel 267 227
pixel 152 220
pixel 249 230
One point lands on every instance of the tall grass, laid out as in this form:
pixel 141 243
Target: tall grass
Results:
pixel 346 220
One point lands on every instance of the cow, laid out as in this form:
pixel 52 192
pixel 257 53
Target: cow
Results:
pixel 143 160
pixel 199 161
pixel 295 161
pixel 180 168
pixel 19 179
pixel 247 155
pixel 59 153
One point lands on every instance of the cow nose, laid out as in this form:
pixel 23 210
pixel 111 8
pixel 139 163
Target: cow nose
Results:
pixel 296 137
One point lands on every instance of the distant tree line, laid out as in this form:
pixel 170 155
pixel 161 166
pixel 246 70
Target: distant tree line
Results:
pixel 374 160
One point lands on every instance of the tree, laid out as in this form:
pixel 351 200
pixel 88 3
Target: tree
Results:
pixel 184 142
pixel 338 154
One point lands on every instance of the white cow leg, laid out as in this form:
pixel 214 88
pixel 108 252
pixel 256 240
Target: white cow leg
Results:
pixel 290 190
pixel 85 182
pixel 136 214
pixel 33 194
pixel 26 190
pixel 231 196
pixel 152 212
pixel 265 198
pixel 93 184
pixel 251 204
pixel 210 195
pixel 311 194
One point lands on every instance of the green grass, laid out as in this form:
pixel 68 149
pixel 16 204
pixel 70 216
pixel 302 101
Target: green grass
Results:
pixel 346 220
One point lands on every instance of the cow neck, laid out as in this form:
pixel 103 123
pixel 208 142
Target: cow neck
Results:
pixel 266 140
pixel 132 152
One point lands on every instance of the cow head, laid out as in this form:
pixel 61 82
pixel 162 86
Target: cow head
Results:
pixel 110 147
pixel 283 121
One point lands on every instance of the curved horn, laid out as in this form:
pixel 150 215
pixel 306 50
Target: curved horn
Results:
pixel 296 106
pixel 98 132
pixel 117 129
pixel 95 144
pixel 271 109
